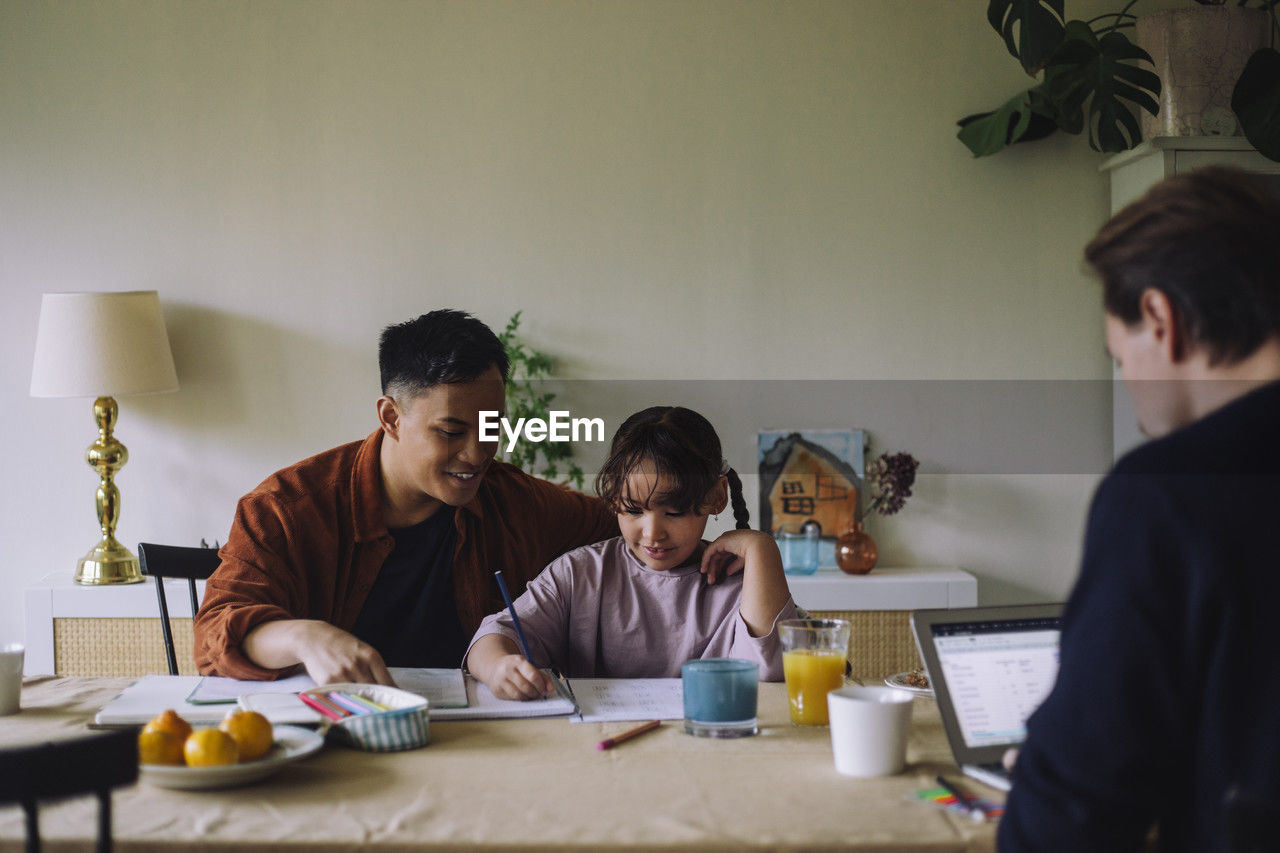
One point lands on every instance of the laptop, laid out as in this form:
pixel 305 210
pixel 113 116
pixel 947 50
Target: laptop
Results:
pixel 989 668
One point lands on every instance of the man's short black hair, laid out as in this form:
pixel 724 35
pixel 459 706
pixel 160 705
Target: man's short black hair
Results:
pixel 1210 241
pixel 438 348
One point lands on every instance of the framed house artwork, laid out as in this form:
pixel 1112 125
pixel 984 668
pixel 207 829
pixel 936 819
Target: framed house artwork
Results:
pixel 810 475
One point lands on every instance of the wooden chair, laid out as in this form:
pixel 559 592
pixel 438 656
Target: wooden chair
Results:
pixel 174 561
pixel 86 765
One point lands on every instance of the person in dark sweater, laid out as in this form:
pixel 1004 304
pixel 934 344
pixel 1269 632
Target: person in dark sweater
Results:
pixel 1167 701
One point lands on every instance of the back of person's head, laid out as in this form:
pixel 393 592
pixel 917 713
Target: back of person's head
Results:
pixel 1210 241
pixel 439 348
pixel 683 447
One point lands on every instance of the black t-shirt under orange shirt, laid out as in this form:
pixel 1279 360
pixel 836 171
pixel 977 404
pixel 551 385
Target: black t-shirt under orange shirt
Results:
pixel 410 616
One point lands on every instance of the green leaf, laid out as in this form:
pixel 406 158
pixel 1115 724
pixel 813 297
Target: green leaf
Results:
pixel 1101 72
pixel 1256 101
pixel 538 364
pixel 524 400
pixel 986 133
pixel 1032 29
pixel 1047 116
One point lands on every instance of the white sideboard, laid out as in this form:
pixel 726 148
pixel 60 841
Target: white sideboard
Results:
pixel 58 597
pixel 885 589
pixel 114 630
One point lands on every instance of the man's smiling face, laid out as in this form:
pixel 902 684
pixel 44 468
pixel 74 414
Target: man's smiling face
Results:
pixel 439 453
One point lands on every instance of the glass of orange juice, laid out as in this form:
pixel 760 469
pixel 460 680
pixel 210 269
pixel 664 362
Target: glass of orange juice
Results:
pixel 814 652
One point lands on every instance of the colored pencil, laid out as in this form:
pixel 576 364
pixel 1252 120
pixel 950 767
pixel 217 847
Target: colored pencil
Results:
pixel 368 703
pixel 344 701
pixel 609 743
pixel 325 708
pixel 970 804
pixel 330 704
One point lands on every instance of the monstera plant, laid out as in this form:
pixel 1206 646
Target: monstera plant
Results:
pixel 1093 79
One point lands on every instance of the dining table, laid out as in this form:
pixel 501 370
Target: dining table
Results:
pixel 524 785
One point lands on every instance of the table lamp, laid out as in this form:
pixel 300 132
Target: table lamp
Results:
pixel 103 345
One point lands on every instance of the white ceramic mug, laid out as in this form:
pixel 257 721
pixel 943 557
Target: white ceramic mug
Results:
pixel 10 678
pixel 869 728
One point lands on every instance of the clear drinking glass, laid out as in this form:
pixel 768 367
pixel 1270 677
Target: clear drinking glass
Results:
pixel 814 655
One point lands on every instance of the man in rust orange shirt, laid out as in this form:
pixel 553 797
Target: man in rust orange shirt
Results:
pixel 381 552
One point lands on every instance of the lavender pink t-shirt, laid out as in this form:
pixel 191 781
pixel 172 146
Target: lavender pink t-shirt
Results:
pixel 599 612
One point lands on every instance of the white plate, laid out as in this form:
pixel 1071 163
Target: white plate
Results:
pixel 292 744
pixel 899 680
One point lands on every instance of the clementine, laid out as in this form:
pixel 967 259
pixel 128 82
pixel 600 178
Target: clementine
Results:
pixel 157 746
pixel 209 748
pixel 251 732
pixel 169 721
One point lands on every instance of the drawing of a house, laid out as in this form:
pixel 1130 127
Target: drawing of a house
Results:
pixel 810 476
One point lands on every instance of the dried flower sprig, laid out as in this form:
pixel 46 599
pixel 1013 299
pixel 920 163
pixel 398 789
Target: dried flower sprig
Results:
pixel 890 478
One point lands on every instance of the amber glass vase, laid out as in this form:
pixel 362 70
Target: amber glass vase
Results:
pixel 856 551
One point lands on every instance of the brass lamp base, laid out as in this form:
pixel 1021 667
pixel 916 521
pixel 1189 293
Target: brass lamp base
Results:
pixel 108 562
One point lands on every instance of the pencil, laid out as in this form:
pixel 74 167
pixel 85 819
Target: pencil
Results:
pixel 349 704
pixel 524 645
pixel 609 743
pixel 969 805
pixel 515 620
pixel 367 702
pixel 325 708
pixel 329 703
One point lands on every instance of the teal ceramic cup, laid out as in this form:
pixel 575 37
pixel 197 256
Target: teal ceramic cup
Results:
pixel 720 697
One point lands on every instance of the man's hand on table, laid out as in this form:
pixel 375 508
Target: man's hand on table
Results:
pixel 329 654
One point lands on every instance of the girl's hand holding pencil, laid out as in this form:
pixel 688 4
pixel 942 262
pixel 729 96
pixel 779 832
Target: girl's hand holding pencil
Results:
pixel 513 677
pixel 495 660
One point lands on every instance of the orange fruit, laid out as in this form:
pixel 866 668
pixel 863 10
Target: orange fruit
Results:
pixel 251 732
pixel 157 746
pixel 209 748
pixel 169 721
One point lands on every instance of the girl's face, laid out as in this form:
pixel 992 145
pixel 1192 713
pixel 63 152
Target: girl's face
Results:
pixel 661 536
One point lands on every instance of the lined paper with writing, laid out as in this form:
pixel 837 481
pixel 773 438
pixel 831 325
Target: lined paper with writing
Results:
pixel 610 699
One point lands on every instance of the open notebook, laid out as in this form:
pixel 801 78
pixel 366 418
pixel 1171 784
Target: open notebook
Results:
pixel 598 700
pixel 480 704
pixel 204 700
pixel 207 699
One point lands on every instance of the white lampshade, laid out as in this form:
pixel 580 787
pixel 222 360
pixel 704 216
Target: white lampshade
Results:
pixel 102 345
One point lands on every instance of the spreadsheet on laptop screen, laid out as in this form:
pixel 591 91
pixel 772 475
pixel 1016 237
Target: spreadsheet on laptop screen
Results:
pixel 997 673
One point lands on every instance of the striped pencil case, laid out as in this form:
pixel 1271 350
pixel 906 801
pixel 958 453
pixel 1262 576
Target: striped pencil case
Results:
pixel 405 726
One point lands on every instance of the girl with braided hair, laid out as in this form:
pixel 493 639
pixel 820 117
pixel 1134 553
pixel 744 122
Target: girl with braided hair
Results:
pixel 641 604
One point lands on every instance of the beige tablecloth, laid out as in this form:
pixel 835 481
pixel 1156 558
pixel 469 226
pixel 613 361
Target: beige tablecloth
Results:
pixel 526 785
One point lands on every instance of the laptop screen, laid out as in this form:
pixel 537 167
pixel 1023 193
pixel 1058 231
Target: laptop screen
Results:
pixel 997 673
